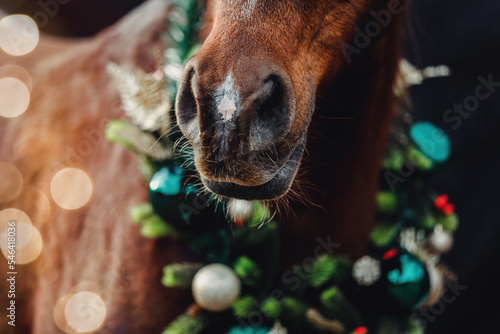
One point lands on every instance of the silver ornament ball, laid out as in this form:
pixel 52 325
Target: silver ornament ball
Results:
pixel 440 241
pixel 215 287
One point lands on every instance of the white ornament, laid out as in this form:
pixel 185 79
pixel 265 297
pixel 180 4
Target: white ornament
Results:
pixel 240 210
pixel 215 287
pixel 408 240
pixel 366 270
pixel 440 241
pixel 278 329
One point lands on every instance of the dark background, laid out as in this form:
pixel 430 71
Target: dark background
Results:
pixel 463 34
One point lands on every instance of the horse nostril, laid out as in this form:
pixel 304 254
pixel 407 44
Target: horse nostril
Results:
pixel 271 100
pixel 274 111
pixel 186 107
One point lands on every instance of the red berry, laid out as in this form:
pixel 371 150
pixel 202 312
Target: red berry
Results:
pixel 448 209
pixel 441 201
pixel 390 254
pixel 360 330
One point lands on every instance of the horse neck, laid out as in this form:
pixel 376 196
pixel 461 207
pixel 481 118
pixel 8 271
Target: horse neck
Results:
pixel 346 142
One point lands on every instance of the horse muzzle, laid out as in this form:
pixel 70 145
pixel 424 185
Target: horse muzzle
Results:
pixel 275 187
pixel 240 125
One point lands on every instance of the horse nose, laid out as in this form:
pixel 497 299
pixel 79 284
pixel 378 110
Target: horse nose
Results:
pixel 248 109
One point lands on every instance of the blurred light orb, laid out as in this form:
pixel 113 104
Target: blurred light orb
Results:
pixel 85 312
pixel 58 314
pixel 12 182
pixel 23 235
pixel 29 243
pixel 71 188
pixel 12 214
pixel 59 317
pixel 32 249
pixel 14 97
pixel 18 72
pixel 19 34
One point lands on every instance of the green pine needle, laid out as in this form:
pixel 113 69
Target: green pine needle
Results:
pixel 323 270
pixel 185 324
pixel 383 234
pixel 132 138
pixel 245 306
pixel 419 159
pixel 427 221
pixel 118 131
pixel 247 270
pixel 449 222
pixel 140 212
pixel 394 161
pixel 293 308
pixel 387 202
pixel 332 298
pixel 154 227
pixel 260 214
pixel 271 308
pixel 180 274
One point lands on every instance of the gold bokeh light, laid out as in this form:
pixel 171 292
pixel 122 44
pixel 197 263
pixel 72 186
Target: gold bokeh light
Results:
pixel 14 97
pixel 18 72
pixel 80 312
pixel 19 34
pixel 71 188
pixel 28 244
pixel 12 214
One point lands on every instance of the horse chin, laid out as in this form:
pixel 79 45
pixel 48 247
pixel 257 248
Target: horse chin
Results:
pixel 275 188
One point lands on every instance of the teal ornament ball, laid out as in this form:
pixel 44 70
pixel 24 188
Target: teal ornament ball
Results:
pixel 407 278
pixel 167 181
pixel 249 330
pixel 431 140
pixel 168 196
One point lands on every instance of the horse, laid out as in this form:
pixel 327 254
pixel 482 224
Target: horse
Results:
pixel 289 102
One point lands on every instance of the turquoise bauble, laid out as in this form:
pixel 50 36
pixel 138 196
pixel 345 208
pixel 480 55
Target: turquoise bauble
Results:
pixel 249 330
pixel 180 204
pixel 408 282
pixel 168 197
pixel 167 181
pixel 431 140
